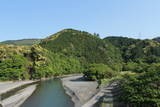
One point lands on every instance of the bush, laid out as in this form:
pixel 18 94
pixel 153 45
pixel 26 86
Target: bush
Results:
pixel 136 67
pixel 98 72
pixel 13 68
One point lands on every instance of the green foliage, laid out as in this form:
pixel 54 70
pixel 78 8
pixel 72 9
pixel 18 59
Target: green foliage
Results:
pixel 60 64
pixel 39 62
pixel 86 47
pixel 34 63
pixel 121 42
pixel 142 89
pixel 47 63
pixel 14 68
pixel 98 72
pixel 134 50
pixel 130 66
pixel 135 67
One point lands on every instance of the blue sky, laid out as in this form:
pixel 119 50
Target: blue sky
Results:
pixel 41 18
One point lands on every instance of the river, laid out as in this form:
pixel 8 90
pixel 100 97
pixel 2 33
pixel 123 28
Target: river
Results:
pixel 49 93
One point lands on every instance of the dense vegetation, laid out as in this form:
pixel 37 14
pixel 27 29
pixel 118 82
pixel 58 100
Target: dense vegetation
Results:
pixel 21 42
pixel 86 47
pixel 137 54
pixel 142 90
pixel 13 65
pixel 98 72
pixel 139 89
pixel 70 51
pixel 19 62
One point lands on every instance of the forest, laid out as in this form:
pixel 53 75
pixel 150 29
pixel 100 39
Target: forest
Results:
pixel 71 51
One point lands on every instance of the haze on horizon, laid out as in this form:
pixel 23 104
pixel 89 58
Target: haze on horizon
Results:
pixel 39 19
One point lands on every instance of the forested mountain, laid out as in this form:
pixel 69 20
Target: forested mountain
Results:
pixel 21 42
pixel 86 47
pixel 59 50
pixel 71 51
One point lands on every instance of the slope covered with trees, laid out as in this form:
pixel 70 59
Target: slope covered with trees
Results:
pixel 86 47
pixel 142 88
pixel 35 62
pixel 137 51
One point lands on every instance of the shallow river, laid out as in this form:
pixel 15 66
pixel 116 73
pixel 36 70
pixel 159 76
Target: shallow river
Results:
pixel 49 93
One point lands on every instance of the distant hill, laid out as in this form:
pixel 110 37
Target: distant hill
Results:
pixel 88 48
pixel 21 42
pixel 157 39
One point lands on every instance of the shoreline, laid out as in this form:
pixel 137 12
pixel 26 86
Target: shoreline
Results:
pixel 18 95
pixel 19 98
pixel 74 97
pixel 6 87
pixel 9 86
pixel 80 91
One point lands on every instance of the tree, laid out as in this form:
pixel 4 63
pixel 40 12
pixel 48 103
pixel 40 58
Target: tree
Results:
pixel 142 89
pixel 13 68
pixel 98 72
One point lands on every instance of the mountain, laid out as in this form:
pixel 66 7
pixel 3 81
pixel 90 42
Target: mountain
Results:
pixel 72 51
pixel 21 42
pixel 157 39
pixel 86 47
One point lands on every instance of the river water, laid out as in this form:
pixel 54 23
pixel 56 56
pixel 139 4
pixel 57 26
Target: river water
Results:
pixel 49 93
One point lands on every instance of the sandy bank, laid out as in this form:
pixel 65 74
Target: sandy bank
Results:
pixel 8 86
pixel 80 90
pixel 17 99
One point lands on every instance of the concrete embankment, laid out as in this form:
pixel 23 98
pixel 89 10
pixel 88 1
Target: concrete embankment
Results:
pixel 19 96
pixel 106 97
pixel 73 95
pixel 17 99
pixel 80 90
pixel 8 86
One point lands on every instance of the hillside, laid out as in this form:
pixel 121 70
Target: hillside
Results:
pixel 28 42
pixel 121 42
pixel 86 47
pixel 157 39
pixel 136 50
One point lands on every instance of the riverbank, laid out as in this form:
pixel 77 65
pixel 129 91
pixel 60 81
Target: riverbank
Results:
pixel 20 95
pixel 8 86
pixel 80 90
pixel 17 99
pixel 11 85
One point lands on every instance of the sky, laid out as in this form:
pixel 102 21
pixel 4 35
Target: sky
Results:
pixel 40 18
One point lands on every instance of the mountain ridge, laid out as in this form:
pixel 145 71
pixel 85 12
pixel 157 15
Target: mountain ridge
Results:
pixel 29 41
